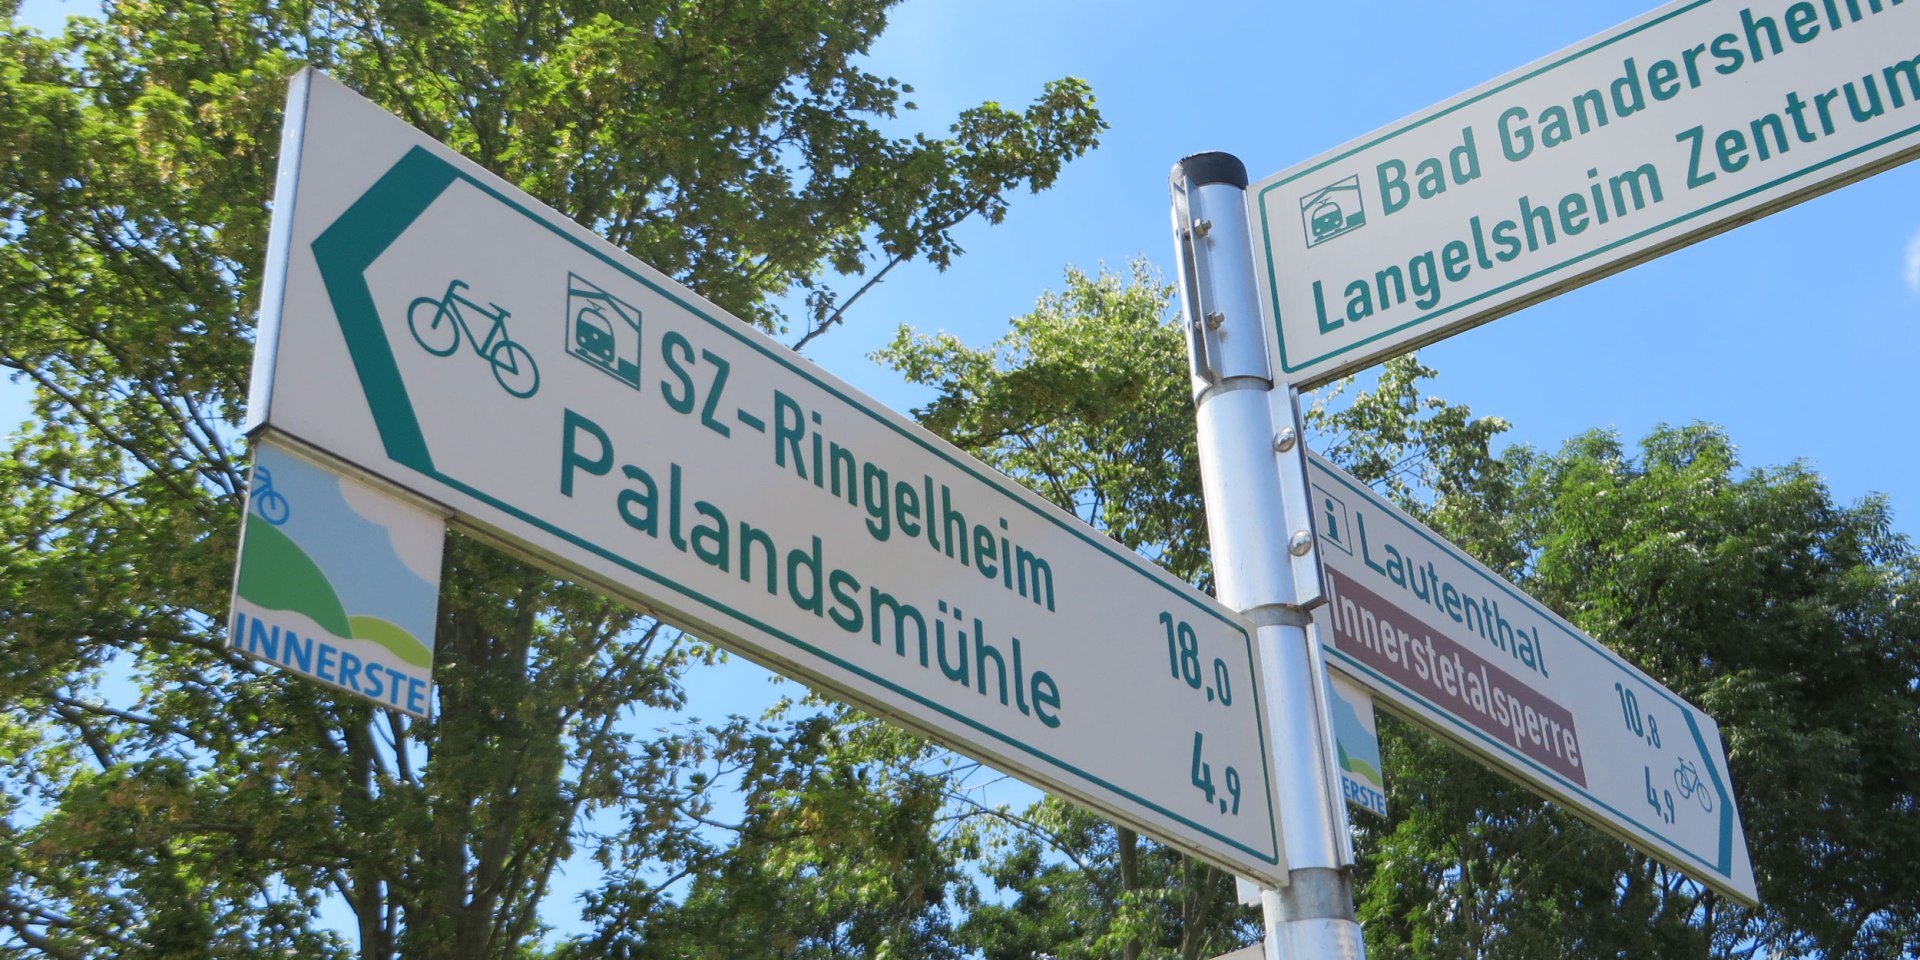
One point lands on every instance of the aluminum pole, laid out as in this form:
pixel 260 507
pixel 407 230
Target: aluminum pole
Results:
pixel 1252 468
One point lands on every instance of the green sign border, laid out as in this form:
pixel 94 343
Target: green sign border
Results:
pixel 1266 237
pixel 351 244
pixel 1725 854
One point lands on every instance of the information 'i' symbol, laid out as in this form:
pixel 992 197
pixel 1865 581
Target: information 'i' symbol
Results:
pixel 1332 523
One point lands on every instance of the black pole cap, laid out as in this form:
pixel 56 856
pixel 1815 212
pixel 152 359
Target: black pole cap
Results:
pixel 1211 167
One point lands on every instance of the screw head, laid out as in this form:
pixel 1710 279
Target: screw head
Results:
pixel 1300 544
pixel 1284 440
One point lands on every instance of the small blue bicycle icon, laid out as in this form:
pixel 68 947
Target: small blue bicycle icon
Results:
pixel 271 503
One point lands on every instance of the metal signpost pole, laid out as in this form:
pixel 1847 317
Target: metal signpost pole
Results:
pixel 1253 475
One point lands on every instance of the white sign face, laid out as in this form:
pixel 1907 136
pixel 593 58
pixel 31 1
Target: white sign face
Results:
pixel 1454 645
pixel 1690 120
pixel 453 336
pixel 338 582
pixel 1257 951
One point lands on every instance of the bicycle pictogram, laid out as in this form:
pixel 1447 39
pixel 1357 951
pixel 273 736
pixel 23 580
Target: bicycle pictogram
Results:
pixel 438 322
pixel 1687 778
pixel 271 503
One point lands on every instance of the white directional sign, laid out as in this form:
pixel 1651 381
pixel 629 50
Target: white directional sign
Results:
pixel 1454 645
pixel 1692 119
pixel 439 330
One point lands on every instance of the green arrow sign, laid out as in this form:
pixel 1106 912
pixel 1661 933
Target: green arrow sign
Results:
pixel 437 329
pixel 1693 119
pixel 1442 639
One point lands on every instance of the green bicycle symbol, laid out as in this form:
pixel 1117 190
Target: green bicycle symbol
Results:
pixel 438 322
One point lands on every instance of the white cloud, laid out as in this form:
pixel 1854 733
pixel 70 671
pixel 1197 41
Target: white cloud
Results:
pixel 415 535
pixel 1913 263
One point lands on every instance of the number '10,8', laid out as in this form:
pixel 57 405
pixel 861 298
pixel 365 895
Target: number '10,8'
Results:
pixel 1649 729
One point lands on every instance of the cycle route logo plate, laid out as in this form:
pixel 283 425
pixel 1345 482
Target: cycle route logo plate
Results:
pixel 337 581
pixel 1357 740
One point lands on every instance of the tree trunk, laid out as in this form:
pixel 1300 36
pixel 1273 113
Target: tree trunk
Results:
pixel 1129 877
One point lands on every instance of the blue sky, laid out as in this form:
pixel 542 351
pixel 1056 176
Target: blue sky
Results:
pixel 1796 333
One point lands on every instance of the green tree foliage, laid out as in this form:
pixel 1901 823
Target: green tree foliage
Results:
pixel 838 852
pixel 1788 617
pixel 165 797
pixel 1079 400
pixel 1087 399
pixel 1085 889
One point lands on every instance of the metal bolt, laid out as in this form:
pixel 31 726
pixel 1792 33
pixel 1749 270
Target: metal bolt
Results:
pixel 1283 441
pixel 1215 319
pixel 1300 544
pixel 1202 227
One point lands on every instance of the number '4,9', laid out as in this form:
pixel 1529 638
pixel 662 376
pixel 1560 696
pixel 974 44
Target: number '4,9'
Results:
pixel 1202 778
